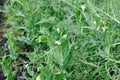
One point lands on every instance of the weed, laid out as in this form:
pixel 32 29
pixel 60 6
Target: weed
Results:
pixel 62 40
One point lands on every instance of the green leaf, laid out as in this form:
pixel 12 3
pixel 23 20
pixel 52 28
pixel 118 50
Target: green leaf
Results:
pixel 6 66
pixel 32 56
pixel 43 39
pixel 30 71
pixel 11 45
pixel 57 55
pixel 10 77
pixel 59 76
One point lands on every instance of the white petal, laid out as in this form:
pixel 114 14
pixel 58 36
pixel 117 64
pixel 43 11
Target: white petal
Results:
pixel 58 30
pixel 64 36
pixel 58 42
pixel 83 7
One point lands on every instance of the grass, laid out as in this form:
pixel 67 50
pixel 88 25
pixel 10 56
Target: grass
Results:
pixel 62 40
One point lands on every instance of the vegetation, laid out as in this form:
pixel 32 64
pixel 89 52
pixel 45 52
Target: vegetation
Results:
pixel 61 40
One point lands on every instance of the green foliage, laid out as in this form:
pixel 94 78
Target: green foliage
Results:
pixel 62 39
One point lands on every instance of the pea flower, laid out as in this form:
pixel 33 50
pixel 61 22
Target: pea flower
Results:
pixel 58 43
pixel 58 30
pixel 104 28
pixel 83 7
pixel 64 36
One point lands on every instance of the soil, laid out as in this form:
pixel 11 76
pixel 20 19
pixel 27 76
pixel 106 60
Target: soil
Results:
pixel 2 39
pixel 2 2
pixel 1 74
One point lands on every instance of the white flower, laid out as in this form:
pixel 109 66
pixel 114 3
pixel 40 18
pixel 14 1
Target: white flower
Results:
pixel 83 7
pixel 104 28
pixel 58 72
pixel 26 65
pixel 58 30
pixel 38 78
pixel 64 36
pixel 94 23
pixel 58 42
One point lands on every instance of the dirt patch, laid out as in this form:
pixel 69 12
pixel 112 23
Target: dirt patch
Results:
pixel 2 2
pixel 1 74
pixel 2 39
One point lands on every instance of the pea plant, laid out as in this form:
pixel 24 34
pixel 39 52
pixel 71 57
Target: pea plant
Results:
pixel 62 40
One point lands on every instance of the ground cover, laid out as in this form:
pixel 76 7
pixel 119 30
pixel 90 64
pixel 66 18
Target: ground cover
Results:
pixel 61 40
